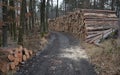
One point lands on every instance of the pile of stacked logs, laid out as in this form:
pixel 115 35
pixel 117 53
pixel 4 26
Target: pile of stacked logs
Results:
pixel 12 57
pixel 72 23
pixel 90 25
pixel 99 24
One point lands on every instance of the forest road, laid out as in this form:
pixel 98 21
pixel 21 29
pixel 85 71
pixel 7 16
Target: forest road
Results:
pixel 62 56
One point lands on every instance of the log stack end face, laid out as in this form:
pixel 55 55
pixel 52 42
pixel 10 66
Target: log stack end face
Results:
pixel 72 23
pixel 13 57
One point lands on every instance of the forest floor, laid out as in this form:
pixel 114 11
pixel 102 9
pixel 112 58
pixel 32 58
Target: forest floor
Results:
pixel 106 57
pixel 62 56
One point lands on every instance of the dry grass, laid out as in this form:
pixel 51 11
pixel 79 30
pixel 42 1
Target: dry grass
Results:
pixel 106 59
pixel 35 42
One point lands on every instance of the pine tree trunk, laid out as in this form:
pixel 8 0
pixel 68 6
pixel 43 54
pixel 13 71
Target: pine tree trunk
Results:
pixel 30 17
pixel 42 27
pixel 33 13
pixel 52 8
pixel 112 4
pixel 102 4
pixel 4 39
pixel 94 4
pixel 119 30
pixel 12 17
pixel 22 22
pixel 65 8
pixel 4 27
pixel 47 15
pixel 57 14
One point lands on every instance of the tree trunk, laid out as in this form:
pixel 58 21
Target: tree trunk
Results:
pixel 47 15
pixel 94 4
pixel 22 22
pixel 33 12
pixel 51 9
pixel 4 34
pixel 112 4
pixel 57 14
pixel 4 27
pixel 65 8
pixel 102 4
pixel 42 27
pixel 30 17
pixel 12 17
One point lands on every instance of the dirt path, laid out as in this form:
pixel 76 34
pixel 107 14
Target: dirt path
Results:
pixel 63 56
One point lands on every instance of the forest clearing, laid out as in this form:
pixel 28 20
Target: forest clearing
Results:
pixel 59 37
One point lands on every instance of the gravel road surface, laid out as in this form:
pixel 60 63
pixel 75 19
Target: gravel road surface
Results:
pixel 62 56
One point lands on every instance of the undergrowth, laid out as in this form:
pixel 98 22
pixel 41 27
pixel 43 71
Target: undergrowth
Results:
pixel 106 58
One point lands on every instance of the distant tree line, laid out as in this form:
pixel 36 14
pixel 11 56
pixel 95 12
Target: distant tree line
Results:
pixel 70 5
pixel 20 16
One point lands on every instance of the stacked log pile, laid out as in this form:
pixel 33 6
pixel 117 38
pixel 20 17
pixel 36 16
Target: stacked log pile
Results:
pixel 99 24
pixel 72 23
pixel 12 57
pixel 86 24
